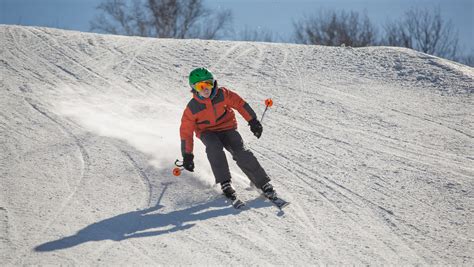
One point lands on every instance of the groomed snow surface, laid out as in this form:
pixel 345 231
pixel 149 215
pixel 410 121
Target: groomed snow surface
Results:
pixel 373 147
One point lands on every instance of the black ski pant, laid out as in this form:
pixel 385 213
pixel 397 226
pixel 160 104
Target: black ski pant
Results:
pixel 231 140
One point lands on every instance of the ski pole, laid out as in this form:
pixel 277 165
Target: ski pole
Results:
pixel 178 169
pixel 268 103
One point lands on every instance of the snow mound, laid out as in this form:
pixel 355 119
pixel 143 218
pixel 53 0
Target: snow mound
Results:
pixel 372 146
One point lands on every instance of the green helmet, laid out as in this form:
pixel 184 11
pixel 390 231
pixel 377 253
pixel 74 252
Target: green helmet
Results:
pixel 199 74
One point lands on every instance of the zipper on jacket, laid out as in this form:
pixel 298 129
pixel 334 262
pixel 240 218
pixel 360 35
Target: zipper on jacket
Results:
pixel 215 111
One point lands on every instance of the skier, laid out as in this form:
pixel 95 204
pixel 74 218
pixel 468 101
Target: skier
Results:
pixel 210 115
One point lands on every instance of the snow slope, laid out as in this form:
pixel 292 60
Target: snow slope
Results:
pixel 373 146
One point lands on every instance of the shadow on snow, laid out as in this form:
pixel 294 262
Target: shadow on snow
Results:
pixel 142 223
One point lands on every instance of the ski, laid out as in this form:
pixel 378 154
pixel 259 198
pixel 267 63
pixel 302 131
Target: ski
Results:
pixel 236 202
pixel 279 202
pixel 270 194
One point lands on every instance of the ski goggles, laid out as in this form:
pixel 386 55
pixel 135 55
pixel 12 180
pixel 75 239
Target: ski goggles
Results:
pixel 199 86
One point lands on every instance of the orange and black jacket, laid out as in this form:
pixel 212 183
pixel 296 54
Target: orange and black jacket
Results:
pixel 212 114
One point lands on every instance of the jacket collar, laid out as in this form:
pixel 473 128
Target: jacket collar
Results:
pixel 202 99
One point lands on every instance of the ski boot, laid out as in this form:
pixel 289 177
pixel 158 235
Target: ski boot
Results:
pixel 228 190
pixel 230 193
pixel 268 191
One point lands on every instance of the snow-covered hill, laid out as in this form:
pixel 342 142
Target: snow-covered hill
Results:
pixel 374 147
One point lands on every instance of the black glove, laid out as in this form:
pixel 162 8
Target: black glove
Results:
pixel 256 127
pixel 188 162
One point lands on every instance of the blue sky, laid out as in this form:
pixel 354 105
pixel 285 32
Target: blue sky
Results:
pixel 274 15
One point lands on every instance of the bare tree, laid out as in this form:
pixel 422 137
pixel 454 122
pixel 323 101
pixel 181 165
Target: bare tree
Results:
pixel 425 31
pixel 212 28
pixel 256 35
pixel 396 35
pixel 160 18
pixel 334 29
pixel 467 59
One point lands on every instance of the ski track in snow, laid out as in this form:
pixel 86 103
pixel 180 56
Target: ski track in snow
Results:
pixel 142 175
pixel 372 147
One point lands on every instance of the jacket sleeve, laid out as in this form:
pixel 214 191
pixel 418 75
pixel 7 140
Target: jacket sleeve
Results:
pixel 236 102
pixel 186 132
